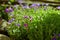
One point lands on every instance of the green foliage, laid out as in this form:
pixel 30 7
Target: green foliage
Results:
pixel 42 26
pixel 2 13
pixel 12 0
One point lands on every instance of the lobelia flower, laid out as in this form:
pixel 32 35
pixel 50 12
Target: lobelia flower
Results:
pixel 38 4
pixel 58 7
pixel 13 19
pixel 25 24
pixel 20 1
pixel 26 7
pixel 25 16
pixel 54 38
pixel 18 24
pixel 10 21
pixel 10 9
pixel 33 5
pixel 15 6
pixel 6 10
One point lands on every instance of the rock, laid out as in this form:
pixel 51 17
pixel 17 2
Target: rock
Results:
pixel 4 37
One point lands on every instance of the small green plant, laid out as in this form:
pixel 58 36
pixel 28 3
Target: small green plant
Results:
pixel 34 24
